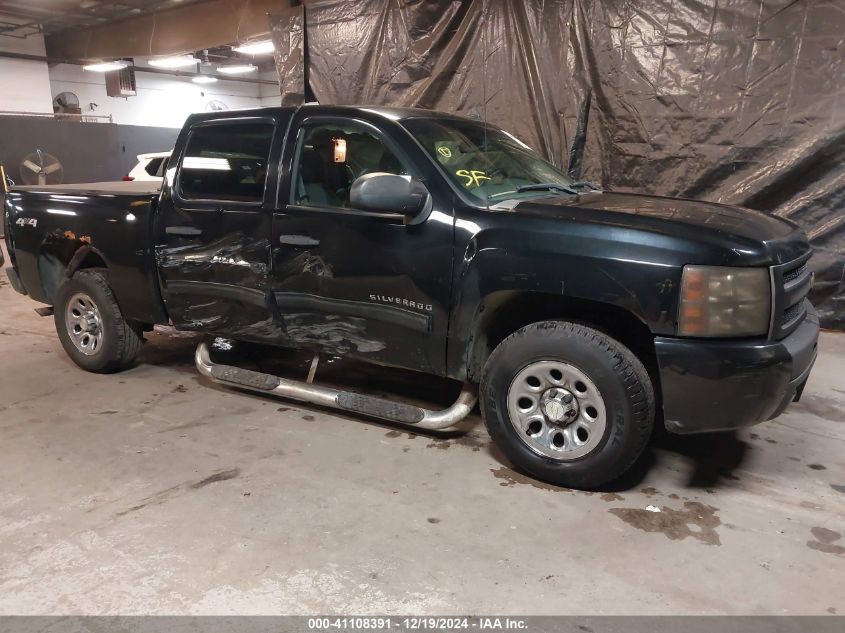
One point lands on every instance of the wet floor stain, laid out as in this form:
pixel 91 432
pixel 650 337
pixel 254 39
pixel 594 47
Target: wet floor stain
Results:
pixel 180 389
pixel 696 520
pixel 162 496
pixel 838 488
pixel 182 427
pixel 222 475
pixel 612 496
pixel 308 418
pixel 395 434
pixel 469 441
pixel 283 409
pixel 510 478
pixel 817 466
pixel 825 541
pixel 474 442
pixel 433 520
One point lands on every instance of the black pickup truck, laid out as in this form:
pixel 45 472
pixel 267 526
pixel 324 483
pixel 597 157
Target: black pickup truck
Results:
pixel 439 244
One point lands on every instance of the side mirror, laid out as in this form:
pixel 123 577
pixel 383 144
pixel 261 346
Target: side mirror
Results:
pixel 389 193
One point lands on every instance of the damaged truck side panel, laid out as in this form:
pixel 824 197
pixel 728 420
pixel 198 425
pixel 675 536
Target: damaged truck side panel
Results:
pixel 442 245
pixel 213 255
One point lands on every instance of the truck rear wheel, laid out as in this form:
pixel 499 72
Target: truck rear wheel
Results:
pixel 91 326
pixel 567 404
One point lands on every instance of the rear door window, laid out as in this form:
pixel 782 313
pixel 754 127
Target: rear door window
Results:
pixel 226 162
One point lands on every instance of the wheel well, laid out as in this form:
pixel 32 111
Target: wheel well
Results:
pixel 59 258
pixel 85 257
pixel 505 312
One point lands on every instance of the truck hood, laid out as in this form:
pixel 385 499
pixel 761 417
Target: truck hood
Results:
pixel 734 228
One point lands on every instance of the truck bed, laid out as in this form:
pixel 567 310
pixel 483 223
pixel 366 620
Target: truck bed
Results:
pixel 138 187
pixel 109 223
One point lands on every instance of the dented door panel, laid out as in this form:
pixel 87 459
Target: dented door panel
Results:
pixel 216 280
pixel 213 255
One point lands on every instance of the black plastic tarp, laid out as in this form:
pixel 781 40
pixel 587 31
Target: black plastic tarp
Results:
pixel 734 101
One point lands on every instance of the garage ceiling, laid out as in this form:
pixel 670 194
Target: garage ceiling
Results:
pixel 102 30
pixel 20 18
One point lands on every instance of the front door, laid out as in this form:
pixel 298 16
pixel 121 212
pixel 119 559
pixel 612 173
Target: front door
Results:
pixel 353 282
pixel 212 233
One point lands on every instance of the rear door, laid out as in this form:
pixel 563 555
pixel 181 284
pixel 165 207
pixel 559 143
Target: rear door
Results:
pixel 213 226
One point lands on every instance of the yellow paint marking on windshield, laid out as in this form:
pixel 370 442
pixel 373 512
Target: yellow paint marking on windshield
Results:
pixel 444 151
pixel 473 177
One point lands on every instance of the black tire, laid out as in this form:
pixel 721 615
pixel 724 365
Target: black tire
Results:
pixel 121 340
pixel 621 379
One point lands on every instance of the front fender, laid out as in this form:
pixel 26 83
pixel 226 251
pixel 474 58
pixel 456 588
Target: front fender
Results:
pixel 559 265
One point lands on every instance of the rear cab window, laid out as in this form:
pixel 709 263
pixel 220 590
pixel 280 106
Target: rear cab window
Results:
pixel 226 161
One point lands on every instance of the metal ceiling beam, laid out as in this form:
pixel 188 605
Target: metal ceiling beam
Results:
pixel 182 29
pixel 61 16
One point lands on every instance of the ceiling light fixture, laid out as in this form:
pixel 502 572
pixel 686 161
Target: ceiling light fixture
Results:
pixel 104 67
pixel 237 69
pixel 204 79
pixel 264 47
pixel 179 61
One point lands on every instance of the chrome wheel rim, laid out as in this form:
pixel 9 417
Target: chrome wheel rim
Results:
pixel 556 410
pixel 84 324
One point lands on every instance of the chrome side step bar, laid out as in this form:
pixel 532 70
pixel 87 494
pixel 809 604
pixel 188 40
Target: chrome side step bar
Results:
pixel 345 400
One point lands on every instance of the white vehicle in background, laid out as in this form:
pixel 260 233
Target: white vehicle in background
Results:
pixel 150 167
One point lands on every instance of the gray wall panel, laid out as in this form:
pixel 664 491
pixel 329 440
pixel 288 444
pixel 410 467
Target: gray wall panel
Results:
pixel 89 152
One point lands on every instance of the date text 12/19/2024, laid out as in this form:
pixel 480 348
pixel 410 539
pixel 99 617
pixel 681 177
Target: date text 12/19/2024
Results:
pixel 416 623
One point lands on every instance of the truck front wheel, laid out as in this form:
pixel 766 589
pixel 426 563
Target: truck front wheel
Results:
pixel 91 326
pixel 567 404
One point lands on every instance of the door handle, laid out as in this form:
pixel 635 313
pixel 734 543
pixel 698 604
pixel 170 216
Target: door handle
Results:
pixel 182 230
pixel 298 240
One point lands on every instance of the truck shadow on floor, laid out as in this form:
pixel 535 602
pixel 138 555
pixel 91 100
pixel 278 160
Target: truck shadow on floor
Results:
pixel 712 458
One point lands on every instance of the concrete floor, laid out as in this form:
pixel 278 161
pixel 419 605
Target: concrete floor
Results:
pixel 153 491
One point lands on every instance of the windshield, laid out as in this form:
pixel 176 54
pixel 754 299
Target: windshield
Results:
pixel 488 163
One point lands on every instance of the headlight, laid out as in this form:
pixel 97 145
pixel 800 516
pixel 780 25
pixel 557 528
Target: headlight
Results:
pixel 720 301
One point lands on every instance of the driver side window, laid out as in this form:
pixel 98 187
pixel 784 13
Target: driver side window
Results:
pixel 331 157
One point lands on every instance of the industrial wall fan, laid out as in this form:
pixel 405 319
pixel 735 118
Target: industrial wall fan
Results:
pixel 66 103
pixel 41 168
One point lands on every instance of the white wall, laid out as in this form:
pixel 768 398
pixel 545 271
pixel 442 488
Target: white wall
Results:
pixel 25 84
pixel 269 94
pixel 162 101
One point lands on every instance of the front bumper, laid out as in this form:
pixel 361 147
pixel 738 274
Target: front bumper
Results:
pixel 722 385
